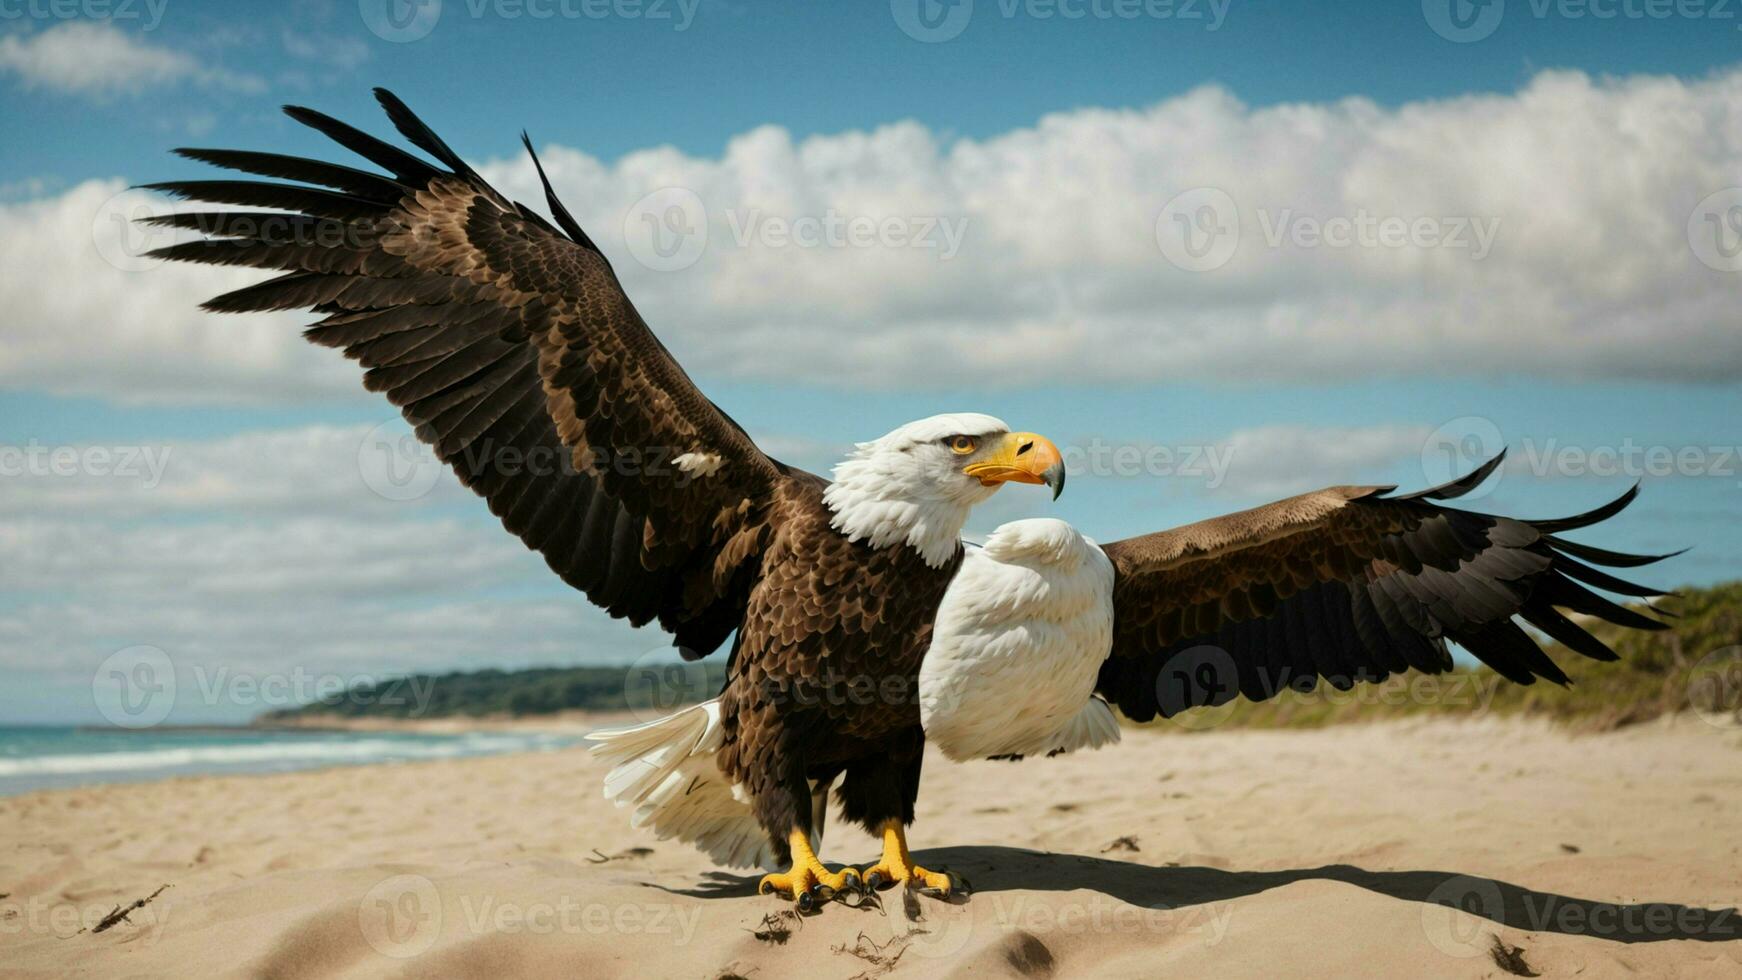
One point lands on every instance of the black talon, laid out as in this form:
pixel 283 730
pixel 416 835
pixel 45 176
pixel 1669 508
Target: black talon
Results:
pixel 874 881
pixel 765 888
pixel 806 903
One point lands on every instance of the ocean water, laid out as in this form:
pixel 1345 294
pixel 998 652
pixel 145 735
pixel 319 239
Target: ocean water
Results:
pixel 34 758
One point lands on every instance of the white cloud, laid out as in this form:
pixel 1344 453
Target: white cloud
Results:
pixel 340 51
pixel 1589 272
pixel 88 315
pixel 1279 460
pixel 1587 189
pixel 96 58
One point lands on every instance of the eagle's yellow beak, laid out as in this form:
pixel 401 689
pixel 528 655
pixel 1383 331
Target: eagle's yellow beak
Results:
pixel 1021 457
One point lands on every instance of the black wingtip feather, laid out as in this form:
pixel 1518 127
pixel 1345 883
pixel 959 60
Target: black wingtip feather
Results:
pixel 402 164
pixel 1455 488
pixel 421 136
pixel 557 211
pixel 1605 557
pixel 1603 580
pixel 1566 632
pixel 1589 517
pixel 348 179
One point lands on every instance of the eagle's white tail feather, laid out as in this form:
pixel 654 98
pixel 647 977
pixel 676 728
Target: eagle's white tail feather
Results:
pixel 1093 727
pixel 665 769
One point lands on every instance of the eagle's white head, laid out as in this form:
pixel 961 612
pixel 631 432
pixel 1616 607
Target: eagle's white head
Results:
pixel 917 484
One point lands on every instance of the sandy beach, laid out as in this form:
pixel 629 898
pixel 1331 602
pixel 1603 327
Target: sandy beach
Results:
pixel 1335 853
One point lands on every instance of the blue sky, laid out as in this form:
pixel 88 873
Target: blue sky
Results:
pixel 1595 335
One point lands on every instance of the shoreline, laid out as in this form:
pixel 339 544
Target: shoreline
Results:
pixel 563 722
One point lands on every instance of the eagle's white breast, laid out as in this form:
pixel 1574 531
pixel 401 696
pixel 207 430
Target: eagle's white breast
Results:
pixel 1018 641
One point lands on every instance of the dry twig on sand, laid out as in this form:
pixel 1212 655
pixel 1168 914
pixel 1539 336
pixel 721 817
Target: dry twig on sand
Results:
pixel 120 914
pixel 773 927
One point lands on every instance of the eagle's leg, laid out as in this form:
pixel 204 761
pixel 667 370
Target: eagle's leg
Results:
pixel 808 879
pixel 897 866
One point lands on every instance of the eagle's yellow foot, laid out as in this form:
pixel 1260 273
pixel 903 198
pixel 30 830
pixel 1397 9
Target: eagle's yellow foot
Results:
pixel 809 881
pixel 897 867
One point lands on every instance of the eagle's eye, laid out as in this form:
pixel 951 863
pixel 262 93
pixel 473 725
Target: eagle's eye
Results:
pixel 962 445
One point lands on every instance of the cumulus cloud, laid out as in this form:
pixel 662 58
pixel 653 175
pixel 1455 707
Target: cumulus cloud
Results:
pixel 88 315
pixel 96 58
pixel 1552 232
pixel 1540 233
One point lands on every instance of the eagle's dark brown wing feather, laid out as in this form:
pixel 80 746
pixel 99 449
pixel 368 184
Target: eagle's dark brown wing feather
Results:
pixel 513 351
pixel 1349 584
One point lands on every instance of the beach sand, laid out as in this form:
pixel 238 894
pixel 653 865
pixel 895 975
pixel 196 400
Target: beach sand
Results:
pixel 1329 853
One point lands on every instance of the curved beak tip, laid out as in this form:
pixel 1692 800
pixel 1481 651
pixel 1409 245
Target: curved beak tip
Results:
pixel 1054 477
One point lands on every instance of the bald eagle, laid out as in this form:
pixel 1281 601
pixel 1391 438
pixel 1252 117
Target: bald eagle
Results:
pixel 861 624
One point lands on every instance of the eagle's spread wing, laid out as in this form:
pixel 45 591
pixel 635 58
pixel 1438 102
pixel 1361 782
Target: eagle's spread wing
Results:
pixel 1349 584
pixel 512 349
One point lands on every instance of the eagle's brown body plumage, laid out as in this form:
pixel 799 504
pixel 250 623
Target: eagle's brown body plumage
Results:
pixel 823 681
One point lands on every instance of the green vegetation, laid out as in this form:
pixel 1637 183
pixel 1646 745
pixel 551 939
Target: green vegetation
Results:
pixel 1694 665
pixel 520 693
